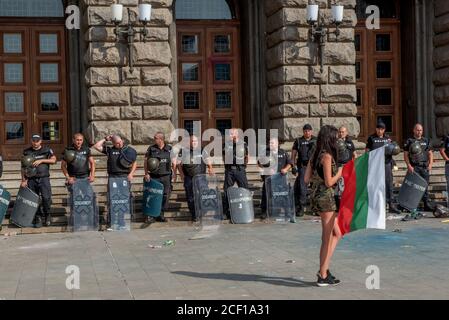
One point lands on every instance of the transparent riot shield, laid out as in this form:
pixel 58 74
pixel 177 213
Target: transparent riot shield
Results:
pixel 5 198
pixel 412 191
pixel 207 198
pixel 25 208
pixel 120 204
pixel 153 194
pixel 83 207
pixel 280 198
pixel 241 205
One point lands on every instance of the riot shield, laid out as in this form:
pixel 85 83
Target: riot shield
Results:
pixel 280 198
pixel 153 194
pixel 120 204
pixel 5 198
pixel 207 198
pixel 25 208
pixel 84 210
pixel 241 205
pixel 412 191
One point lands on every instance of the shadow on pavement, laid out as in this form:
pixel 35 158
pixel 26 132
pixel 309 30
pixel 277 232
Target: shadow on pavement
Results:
pixel 278 281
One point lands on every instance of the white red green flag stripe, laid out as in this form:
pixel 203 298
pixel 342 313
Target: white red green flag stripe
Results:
pixel 363 201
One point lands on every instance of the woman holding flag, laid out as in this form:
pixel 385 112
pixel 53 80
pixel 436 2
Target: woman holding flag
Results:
pixel 323 174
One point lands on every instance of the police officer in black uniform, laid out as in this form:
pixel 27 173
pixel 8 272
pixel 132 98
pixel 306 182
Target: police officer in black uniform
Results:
pixel 81 164
pixel 193 162
pixel 37 178
pixel 284 164
pixel 302 149
pixel 444 151
pixel 164 174
pixel 114 155
pixel 235 169
pixel 378 140
pixel 350 154
pixel 421 164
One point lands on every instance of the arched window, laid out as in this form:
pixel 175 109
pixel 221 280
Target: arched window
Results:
pixel 204 10
pixel 31 8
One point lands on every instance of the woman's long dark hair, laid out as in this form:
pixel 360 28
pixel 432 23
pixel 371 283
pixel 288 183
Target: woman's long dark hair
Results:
pixel 326 142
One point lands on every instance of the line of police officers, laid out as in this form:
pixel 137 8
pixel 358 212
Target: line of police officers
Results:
pixel 78 163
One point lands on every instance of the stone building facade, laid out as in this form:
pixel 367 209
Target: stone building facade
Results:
pixel 277 81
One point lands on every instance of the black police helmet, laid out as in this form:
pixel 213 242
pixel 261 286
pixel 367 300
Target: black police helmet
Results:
pixel 415 148
pixel 392 149
pixel 152 164
pixel 27 161
pixel 69 155
pixel 127 157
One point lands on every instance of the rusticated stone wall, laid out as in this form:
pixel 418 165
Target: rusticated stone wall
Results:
pixel 137 104
pixel 441 64
pixel 298 92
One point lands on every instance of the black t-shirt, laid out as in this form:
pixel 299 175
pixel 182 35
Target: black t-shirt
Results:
pixel 115 169
pixel 193 161
pixel 238 158
pixel 304 148
pixel 80 167
pixel 375 142
pixel 425 147
pixel 164 156
pixel 445 144
pixel 43 170
pixel 282 157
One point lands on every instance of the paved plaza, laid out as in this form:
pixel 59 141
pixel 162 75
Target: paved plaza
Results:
pixel 237 262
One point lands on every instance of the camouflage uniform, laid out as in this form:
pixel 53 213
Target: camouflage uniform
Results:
pixel 323 198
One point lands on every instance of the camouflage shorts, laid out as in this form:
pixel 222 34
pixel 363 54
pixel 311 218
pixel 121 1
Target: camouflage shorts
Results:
pixel 323 199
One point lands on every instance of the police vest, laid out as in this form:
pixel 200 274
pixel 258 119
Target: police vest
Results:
pixel 79 168
pixel 193 162
pixel 374 142
pixel 423 158
pixel 164 156
pixel 239 152
pixel 115 169
pixel 304 148
pixel 43 170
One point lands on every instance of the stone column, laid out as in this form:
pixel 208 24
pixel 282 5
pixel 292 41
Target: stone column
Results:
pixel 298 92
pixel 137 104
pixel 441 64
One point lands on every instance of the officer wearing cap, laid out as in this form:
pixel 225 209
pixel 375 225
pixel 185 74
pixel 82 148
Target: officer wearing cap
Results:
pixel 418 156
pixel 301 152
pixel 193 162
pixel 36 176
pixel 284 164
pixel 379 140
pixel 164 173
pixel 235 168
pixel 444 151
pixel 77 161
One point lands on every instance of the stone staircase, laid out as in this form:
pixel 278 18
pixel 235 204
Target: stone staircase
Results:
pixel 178 210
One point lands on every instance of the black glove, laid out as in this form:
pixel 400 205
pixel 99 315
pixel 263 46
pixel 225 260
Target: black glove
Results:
pixel 295 170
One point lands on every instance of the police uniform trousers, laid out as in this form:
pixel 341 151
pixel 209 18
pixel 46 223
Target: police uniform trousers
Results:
pixel 166 181
pixel 424 173
pixel 188 187
pixel 42 187
pixel 233 174
pixel 447 178
pixel 263 204
pixel 389 182
pixel 300 188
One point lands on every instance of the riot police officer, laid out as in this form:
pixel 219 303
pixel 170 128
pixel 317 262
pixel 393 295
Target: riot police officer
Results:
pixel 284 164
pixel 235 170
pixel 379 140
pixel 77 161
pixel 165 172
pixel 419 158
pixel 119 164
pixel 444 151
pixel 193 162
pixel 36 176
pixel 302 149
pixel 350 153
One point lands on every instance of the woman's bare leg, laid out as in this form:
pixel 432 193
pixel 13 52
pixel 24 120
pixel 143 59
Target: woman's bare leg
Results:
pixel 328 223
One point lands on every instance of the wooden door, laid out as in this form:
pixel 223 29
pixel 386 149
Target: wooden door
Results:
pixel 208 74
pixel 378 73
pixel 33 86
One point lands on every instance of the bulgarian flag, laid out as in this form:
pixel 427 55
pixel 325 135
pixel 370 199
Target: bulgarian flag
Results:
pixel 362 204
